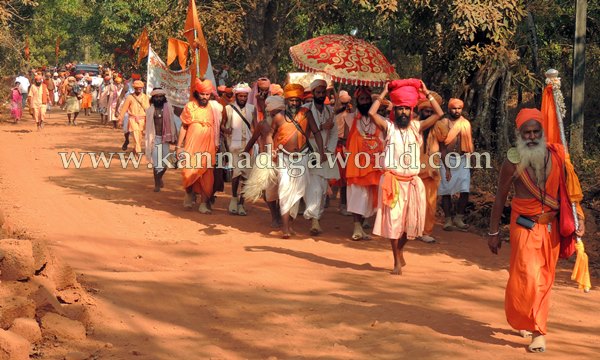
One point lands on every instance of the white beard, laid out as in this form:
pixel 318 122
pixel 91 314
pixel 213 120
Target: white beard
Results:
pixel 533 157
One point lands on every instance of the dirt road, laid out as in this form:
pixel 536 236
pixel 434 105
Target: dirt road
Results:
pixel 171 284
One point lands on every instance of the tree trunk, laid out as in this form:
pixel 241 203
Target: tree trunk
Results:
pixel 578 93
pixel 486 98
pixel 263 26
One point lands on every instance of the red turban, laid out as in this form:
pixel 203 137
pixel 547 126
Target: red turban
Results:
pixel 107 78
pixel 405 92
pixel 203 87
pixel 221 88
pixel 426 104
pixel 136 76
pixel 528 114
pixel 454 102
pixel 293 91
pixel 362 90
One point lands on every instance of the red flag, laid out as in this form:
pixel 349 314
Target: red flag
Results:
pixel 143 43
pixel 196 40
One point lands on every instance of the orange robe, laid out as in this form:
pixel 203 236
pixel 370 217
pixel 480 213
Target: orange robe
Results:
pixel 431 176
pixel 287 130
pixel 199 144
pixel 136 107
pixel 533 258
pixel 443 134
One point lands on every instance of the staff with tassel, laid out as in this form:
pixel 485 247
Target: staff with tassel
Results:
pixel 581 272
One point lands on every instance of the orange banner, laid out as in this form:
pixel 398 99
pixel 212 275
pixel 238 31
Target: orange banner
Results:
pixel 196 40
pixel 177 50
pixel 142 43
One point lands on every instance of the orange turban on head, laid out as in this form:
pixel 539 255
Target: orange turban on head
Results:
pixel 405 92
pixel 426 104
pixel 293 91
pixel 263 83
pixel 203 86
pixel 136 76
pixel 221 88
pixel 138 84
pixel 276 90
pixel 454 102
pixel 527 114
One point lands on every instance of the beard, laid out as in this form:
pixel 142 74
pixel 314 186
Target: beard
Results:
pixel 363 109
pixel 455 116
pixel 319 101
pixel 402 121
pixel 201 102
pixel 292 109
pixel 533 157
pixel 158 102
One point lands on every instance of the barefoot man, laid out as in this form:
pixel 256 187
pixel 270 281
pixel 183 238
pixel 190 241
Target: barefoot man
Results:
pixel 401 198
pixel 199 138
pixel 290 132
pixel 454 137
pixel 536 169
pixel 365 139
pixel 38 99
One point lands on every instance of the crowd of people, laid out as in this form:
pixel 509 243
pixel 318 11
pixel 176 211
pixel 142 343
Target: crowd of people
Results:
pixel 388 141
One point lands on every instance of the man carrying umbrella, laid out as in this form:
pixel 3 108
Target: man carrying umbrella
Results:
pixel 537 171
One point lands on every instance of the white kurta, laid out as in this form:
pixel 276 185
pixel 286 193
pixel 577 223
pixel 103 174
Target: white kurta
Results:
pixel 239 137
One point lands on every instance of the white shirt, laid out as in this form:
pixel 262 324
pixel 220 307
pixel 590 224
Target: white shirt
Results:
pixel 23 84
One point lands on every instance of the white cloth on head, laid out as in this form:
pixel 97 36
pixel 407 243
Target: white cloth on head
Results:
pixel 360 200
pixel 316 83
pixel 242 88
pixel 292 183
pixel 460 182
pixel 274 103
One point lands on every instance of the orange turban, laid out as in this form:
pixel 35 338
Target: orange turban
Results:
pixel 276 90
pixel 221 88
pixel 107 78
pixel 263 83
pixel 228 90
pixel 454 102
pixel 528 114
pixel 79 76
pixel 405 92
pixel 203 86
pixel 120 80
pixel 426 104
pixel 136 76
pixel 138 84
pixel 293 91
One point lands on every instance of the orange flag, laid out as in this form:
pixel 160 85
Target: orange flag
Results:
pixel 550 121
pixel 143 43
pixel 196 40
pixel 177 49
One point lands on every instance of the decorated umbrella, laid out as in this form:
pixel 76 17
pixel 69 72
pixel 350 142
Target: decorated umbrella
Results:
pixel 346 59
pixel 553 108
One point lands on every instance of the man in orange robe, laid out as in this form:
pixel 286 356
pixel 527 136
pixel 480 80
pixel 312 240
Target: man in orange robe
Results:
pixel 535 232
pixel 290 130
pixel 364 140
pixel 429 174
pixel 401 197
pixel 454 137
pixel 136 105
pixel 38 99
pixel 197 144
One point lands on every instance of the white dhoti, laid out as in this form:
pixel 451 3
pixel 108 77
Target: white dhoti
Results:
pixel 461 177
pixel 293 179
pixel 361 200
pixel 314 197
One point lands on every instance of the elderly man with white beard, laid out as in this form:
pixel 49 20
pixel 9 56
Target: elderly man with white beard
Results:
pixel 536 169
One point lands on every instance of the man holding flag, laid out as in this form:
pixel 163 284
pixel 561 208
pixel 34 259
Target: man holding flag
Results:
pixel 541 226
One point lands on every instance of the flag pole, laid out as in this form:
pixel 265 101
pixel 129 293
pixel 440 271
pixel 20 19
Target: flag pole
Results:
pixel 197 55
pixel 553 80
